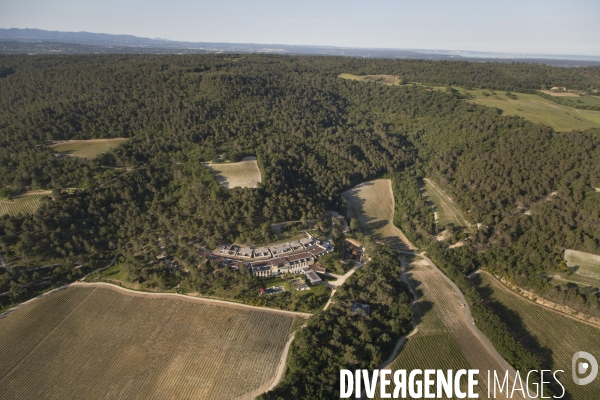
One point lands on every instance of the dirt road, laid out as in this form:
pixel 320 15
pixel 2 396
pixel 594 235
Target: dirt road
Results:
pixel 481 341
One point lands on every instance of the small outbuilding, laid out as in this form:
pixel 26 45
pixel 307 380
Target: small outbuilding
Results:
pixel 313 278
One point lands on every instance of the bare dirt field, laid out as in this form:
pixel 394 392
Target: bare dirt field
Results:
pixel 443 340
pixel 96 342
pixel 86 148
pixel 372 203
pixel 555 336
pixel 245 173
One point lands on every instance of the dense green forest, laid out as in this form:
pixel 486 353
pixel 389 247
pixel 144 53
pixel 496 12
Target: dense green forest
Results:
pixel 339 338
pixel 315 135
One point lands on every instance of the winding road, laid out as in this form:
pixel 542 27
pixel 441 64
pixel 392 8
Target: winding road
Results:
pixel 469 318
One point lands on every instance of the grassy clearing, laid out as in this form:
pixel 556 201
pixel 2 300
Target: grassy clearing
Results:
pixel 555 336
pixel 538 110
pixel 529 106
pixel 25 204
pixel 385 79
pixel 86 148
pixel 443 339
pixel 372 204
pixel 587 265
pixel 574 98
pixel 447 211
pixel 244 174
pixel 95 342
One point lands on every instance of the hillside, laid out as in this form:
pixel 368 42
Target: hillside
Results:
pixel 526 190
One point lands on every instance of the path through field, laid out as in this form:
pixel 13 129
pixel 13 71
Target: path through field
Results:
pixel 372 204
pixel 446 336
pixel 446 209
pixel 93 341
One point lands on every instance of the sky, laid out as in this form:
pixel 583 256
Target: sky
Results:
pixel 508 26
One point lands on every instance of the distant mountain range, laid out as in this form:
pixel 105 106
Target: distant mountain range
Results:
pixel 37 41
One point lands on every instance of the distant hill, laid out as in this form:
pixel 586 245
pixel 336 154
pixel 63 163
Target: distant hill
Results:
pixel 38 41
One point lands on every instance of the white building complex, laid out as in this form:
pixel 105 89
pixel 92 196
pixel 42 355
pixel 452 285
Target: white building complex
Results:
pixel 294 257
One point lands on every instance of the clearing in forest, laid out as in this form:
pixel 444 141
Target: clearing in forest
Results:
pixel 86 148
pixel 27 203
pixel 554 336
pixel 372 204
pixel 245 173
pixel 385 79
pixel 586 264
pixel 442 340
pixel 97 342
pixel 537 109
pixel 446 209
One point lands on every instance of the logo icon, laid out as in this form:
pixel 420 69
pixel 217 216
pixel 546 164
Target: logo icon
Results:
pixel 583 367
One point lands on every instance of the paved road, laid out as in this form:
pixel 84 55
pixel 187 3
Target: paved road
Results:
pixel 484 340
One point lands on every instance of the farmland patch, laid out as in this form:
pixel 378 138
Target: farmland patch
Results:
pixel 553 336
pixel 372 204
pixel 443 339
pixel 86 148
pixel 446 209
pixel 96 342
pixel 26 204
pixel 538 110
pixel 245 173
pixel 587 265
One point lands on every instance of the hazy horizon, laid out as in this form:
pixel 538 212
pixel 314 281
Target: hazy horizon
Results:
pixel 532 27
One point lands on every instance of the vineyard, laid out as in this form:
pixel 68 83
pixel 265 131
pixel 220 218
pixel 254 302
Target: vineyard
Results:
pixel 447 212
pixel 588 265
pixel 94 342
pixel 86 148
pixel 556 336
pixel 26 204
pixel 372 204
pixel 244 174
pixel 443 339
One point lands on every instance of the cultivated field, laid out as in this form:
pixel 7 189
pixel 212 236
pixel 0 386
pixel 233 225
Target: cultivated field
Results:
pixel 25 204
pixel 86 148
pixel 539 110
pixel 556 336
pixel 96 342
pixel 447 211
pixel 385 79
pixel 372 203
pixel 443 339
pixel 588 265
pixel 244 174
